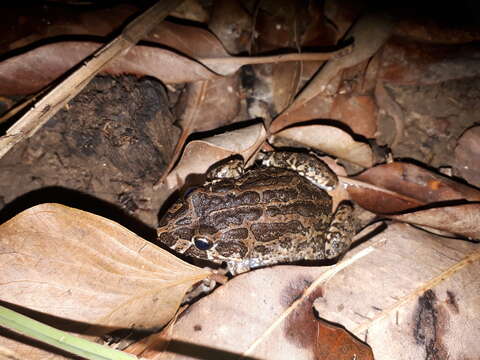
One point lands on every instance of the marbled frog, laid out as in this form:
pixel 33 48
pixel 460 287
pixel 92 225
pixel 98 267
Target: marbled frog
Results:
pixel 276 213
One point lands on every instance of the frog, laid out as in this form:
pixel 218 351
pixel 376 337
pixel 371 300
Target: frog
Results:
pixel 278 211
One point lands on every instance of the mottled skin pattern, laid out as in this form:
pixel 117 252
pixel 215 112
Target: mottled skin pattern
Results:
pixel 262 216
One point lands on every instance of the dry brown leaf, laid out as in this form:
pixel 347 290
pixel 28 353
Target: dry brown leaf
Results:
pixel 33 70
pixel 460 219
pixel 400 288
pixel 370 32
pixel 328 139
pixel 359 112
pixel 271 319
pixel 415 291
pixel 80 267
pixel 404 181
pixel 467 153
pixel 199 155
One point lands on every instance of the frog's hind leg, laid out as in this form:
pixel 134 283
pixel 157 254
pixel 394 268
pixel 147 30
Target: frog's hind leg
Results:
pixel 307 165
pixel 342 228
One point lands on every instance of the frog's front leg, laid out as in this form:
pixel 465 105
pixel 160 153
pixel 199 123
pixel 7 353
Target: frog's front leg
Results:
pixel 232 168
pixel 338 236
pixel 306 165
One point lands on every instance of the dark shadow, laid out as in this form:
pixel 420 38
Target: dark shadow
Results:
pixel 203 352
pixel 36 344
pixel 78 200
pixel 73 326
pixel 382 226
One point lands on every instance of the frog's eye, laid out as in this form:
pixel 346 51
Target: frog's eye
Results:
pixel 202 243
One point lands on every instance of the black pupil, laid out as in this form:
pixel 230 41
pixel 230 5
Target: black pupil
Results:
pixel 202 243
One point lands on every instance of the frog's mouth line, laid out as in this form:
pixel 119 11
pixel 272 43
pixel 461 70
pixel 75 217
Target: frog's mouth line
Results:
pixel 182 246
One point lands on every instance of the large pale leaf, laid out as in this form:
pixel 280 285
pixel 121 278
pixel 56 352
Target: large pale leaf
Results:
pixel 407 293
pixel 328 139
pixel 77 266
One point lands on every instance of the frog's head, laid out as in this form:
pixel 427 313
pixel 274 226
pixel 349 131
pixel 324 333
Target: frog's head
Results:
pixel 195 225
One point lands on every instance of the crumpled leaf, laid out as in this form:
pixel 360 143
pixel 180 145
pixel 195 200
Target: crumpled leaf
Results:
pixel 378 292
pixel 370 32
pixel 407 186
pixel 81 267
pixel 328 139
pixel 199 155
pixel 31 71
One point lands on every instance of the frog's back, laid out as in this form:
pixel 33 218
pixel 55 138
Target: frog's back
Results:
pixel 263 200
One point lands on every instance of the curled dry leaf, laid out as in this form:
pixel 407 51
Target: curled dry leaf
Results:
pixel 369 33
pixel 328 139
pixel 199 155
pixel 460 219
pixel 400 288
pixel 407 186
pixel 401 186
pixel 78 266
pixel 31 71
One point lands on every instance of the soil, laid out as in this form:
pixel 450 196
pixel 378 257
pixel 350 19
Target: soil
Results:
pixel 102 154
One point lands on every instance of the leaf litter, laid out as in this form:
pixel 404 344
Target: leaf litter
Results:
pixel 383 296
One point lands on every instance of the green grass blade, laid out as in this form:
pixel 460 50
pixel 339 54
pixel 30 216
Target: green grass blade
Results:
pixel 62 340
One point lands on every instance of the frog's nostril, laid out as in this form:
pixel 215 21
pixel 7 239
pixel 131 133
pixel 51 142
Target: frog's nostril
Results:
pixel 202 243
